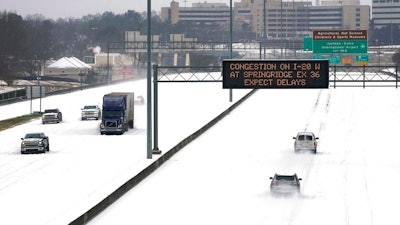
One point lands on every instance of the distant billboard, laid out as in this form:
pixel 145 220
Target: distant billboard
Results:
pixel 275 73
pixel 35 92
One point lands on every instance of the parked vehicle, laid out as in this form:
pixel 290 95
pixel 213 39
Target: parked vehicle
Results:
pixel 117 113
pixel 51 116
pixel 90 112
pixel 35 143
pixel 305 141
pixel 285 184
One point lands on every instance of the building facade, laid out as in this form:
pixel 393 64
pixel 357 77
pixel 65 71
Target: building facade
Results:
pixel 385 13
pixel 276 18
pixel 197 13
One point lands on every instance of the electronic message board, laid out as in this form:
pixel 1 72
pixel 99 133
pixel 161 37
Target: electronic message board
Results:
pixel 275 73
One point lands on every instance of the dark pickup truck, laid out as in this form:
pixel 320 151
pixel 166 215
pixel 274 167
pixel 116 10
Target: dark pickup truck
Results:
pixel 51 116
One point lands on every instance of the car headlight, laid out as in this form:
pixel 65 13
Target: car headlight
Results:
pixel 23 143
pixel 102 126
pixel 40 143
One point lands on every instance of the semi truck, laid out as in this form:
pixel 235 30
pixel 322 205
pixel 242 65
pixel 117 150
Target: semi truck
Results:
pixel 117 113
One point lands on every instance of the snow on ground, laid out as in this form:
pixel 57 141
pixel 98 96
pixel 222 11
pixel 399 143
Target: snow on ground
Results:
pixel 83 167
pixel 223 176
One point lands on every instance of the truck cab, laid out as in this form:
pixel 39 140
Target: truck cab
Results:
pixel 117 113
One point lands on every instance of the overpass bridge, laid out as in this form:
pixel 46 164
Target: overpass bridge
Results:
pixel 182 46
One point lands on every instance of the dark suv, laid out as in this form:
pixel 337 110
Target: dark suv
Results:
pixel 51 116
pixel 35 143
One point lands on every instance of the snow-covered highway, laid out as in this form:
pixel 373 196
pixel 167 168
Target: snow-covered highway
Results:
pixel 83 167
pixel 223 176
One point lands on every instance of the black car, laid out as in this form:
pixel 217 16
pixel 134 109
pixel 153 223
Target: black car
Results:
pixel 285 184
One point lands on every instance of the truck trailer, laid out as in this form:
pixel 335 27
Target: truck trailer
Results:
pixel 117 113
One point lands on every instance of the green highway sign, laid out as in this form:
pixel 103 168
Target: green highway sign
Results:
pixel 340 41
pixel 318 57
pixel 307 44
pixel 362 58
pixel 335 59
pixel 340 46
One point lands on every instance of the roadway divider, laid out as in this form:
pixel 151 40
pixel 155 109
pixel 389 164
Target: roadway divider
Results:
pixel 114 196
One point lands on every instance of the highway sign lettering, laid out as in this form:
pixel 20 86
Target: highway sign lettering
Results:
pixel 340 41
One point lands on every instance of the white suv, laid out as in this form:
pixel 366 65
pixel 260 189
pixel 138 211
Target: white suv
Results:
pixel 305 141
pixel 90 111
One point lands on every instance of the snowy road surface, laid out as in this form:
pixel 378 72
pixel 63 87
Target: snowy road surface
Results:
pixel 223 177
pixel 83 167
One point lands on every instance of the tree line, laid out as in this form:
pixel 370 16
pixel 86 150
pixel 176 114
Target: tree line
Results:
pixel 28 42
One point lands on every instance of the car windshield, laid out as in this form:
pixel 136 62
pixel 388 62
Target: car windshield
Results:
pixel 90 107
pixel 112 113
pixel 50 111
pixel 285 178
pixel 32 136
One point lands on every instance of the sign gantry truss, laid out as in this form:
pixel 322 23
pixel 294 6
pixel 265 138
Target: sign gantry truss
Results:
pixel 339 76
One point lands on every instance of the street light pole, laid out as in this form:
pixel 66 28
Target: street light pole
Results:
pixel 264 28
pixel 230 43
pixel 281 29
pixel 149 123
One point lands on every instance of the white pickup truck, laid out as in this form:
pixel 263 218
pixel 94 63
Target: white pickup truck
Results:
pixel 90 111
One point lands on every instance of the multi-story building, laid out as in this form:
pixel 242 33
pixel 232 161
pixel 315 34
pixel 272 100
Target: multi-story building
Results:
pixel 277 18
pixel 385 13
pixel 347 17
pixel 198 13
pixel 339 2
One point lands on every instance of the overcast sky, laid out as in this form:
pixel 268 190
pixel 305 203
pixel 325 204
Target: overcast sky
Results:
pixel 55 9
